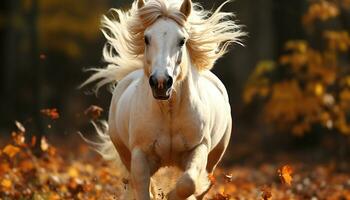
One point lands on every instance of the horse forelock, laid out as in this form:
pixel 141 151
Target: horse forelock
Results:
pixel 141 19
pixel 160 8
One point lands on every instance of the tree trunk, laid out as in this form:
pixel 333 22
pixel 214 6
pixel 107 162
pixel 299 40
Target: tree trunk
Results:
pixel 37 66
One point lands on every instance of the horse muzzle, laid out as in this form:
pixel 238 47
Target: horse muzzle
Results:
pixel 161 87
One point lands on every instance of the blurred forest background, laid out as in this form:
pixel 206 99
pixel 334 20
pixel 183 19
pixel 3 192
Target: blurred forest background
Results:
pixel 289 86
pixel 289 89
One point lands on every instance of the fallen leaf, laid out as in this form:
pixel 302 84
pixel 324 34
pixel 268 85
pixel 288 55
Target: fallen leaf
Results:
pixel 285 174
pixel 6 183
pixel 93 111
pixel 220 196
pixel 19 138
pixel 212 179
pixel 26 165
pixel 4 168
pixel 88 187
pixel 319 89
pixel 33 141
pixel 72 184
pixel 11 150
pixel 266 193
pixel 51 113
pixel 54 196
pixel 73 172
pixel 52 151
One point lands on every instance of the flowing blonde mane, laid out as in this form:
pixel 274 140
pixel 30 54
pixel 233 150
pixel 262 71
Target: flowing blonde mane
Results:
pixel 210 34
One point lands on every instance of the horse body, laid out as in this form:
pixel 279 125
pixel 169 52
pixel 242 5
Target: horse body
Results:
pixel 167 132
pixel 198 113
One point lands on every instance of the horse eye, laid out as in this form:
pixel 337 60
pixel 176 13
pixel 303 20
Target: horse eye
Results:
pixel 146 40
pixel 182 42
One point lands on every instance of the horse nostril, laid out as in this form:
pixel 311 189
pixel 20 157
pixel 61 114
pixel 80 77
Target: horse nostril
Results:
pixel 169 82
pixel 152 81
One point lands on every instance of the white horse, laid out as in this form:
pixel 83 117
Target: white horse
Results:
pixel 167 109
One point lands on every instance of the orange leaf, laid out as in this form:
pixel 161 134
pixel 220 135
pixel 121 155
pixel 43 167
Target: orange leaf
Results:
pixel 220 196
pixel 212 179
pixel 33 141
pixel 266 193
pixel 6 183
pixel 319 89
pixel 11 150
pixel 26 165
pixel 93 111
pixel 73 172
pixel 51 113
pixel 285 174
pixel 4 168
pixel 52 151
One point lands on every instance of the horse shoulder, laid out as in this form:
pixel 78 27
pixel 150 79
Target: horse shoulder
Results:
pixel 213 79
pixel 123 85
pixel 219 108
pixel 119 91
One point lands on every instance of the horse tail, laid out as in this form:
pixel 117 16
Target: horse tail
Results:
pixel 103 144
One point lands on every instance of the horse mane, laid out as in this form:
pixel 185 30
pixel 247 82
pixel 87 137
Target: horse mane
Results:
pixel 210 34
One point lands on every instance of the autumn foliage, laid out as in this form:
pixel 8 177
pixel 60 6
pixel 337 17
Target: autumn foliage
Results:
pixel 309 85
pixel 60 172
pixel 51 174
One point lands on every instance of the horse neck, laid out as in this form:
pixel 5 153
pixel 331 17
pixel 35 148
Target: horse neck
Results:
pixel 187 87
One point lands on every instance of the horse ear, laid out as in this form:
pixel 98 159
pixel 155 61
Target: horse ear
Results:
pixel 186 8
pixel 140 3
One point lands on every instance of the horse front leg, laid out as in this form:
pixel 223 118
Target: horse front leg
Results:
pixel 140 175
pixel 194 166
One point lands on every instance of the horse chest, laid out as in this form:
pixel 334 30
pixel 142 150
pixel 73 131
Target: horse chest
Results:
pixel 176 139
pixel 165 135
